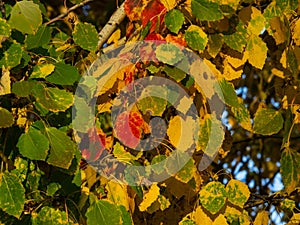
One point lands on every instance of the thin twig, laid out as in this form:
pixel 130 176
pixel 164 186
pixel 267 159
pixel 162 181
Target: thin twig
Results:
pixel 117 17
pixel 63 15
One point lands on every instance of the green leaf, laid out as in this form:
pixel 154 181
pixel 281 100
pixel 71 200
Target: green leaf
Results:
pixel 64 74
pixel 174 20
pixel 238 39
pixel 48 215
pixel 26 17
pixel 62 148
pixel 99 210
pixel 53 99
pixel 6 118
pixel 206 10
pixel 196 38
pixel 187 222
pixel 11 55
pixel 126 217
pixel 168 53
pixel 175 73
pixel 85 35
pixel 237 192
pixel 52 188
pixel 33 145
pixel 215 43
pixel 213 196
pixel 229 93
pixel 40 39
pixel 187 172
pixel 290 161
pixel 267 121
pixel 5 29
pixel 12 198
pixel 148 101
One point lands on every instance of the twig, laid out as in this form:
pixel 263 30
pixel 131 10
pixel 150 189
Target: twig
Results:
pixel 117 17
pixel 61 16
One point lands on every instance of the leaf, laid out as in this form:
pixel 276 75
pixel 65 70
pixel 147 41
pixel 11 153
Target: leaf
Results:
pixel 12 198
pixel 150 197
pixel 290 168
pixel 196 38
pixel 5 82
pixel 256 51
pixel 153 13
pixel 200 217
pixel 11 55
pixel 62 149
pixel 213 196
pixel 257 22
pixel 175 73
pixel 241 113
pixel 215 43
pixel 26 17
pixel 42 70
pixel 48 215
pixel 267 121
pixel 86 36
pixel 23 88
pixel 6 118
pixel 63 74
pixel 187 222
pixel 229 93
pixel 206 10
pixel 52 188
pixel 262 218
pixel 134 8
pixel 33 145
pixel 237 192
pixel 187 172
pixel 40 39
pixel 169 4
pixel 53 99
pixel 238 39
pixel 117 193
pixel 122 155
pixel 174 20
pixel 5 29
pixel 103 212
pixel 220 220
pixel 168 53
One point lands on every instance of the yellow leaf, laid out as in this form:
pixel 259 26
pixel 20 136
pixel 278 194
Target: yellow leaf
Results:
pixel 89 175
pixel 256 52
pixel 200 217
pixel 5 82
pixel 277 73
pixel 169 4
pixel 220 220
pixel 295 109
pixel 115 37
pixel 262 218
pixel 238 192
pixel 257 22
pixel 150 197
pixel 231 67
pixel 297 55
pixel 283 59
pixel 296 32
pixel 295 220
pixel 117 193
pixel 182 132
pixel 233 214
pixel 279 30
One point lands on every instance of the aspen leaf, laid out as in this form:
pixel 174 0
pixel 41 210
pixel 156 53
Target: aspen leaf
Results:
pixel 220 220
pixel 187 172
pixel 40 39
pixel 86 36
pixel 206 10
pixel 10 55
pixel 256 52
pixel 238 39
pixel 257 22
pixel 150 197
pixel 290 168
pixel 296 32
pixel 169 4
pixel 241 113
pixel 174 20
pixel 267 121
pixel 213 196
pixel 117 193
pixel 237 192
pixel 115 37
pixel 262 218
pixel 215 43
pixel 5 29
pixel 168 53
pixel 6 118
pixel 63 74
pixel 5 82
pixel 196 38
pixel 26 17
pixel 200 217
pixel 48 215
pixel 42 70
pixel 229 93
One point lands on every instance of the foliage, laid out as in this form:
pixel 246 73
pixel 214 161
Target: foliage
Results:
pixel 251 47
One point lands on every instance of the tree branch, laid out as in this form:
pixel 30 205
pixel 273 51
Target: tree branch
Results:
pixel 63 15
pixel 117 17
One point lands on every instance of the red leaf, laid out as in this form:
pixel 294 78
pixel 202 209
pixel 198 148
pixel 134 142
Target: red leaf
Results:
pixel 134 8
pixel 97 140
pixel 176 40
pixel 154 12
pixel 128 128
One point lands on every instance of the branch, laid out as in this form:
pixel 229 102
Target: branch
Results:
pixel 117 17
pixel 63 15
